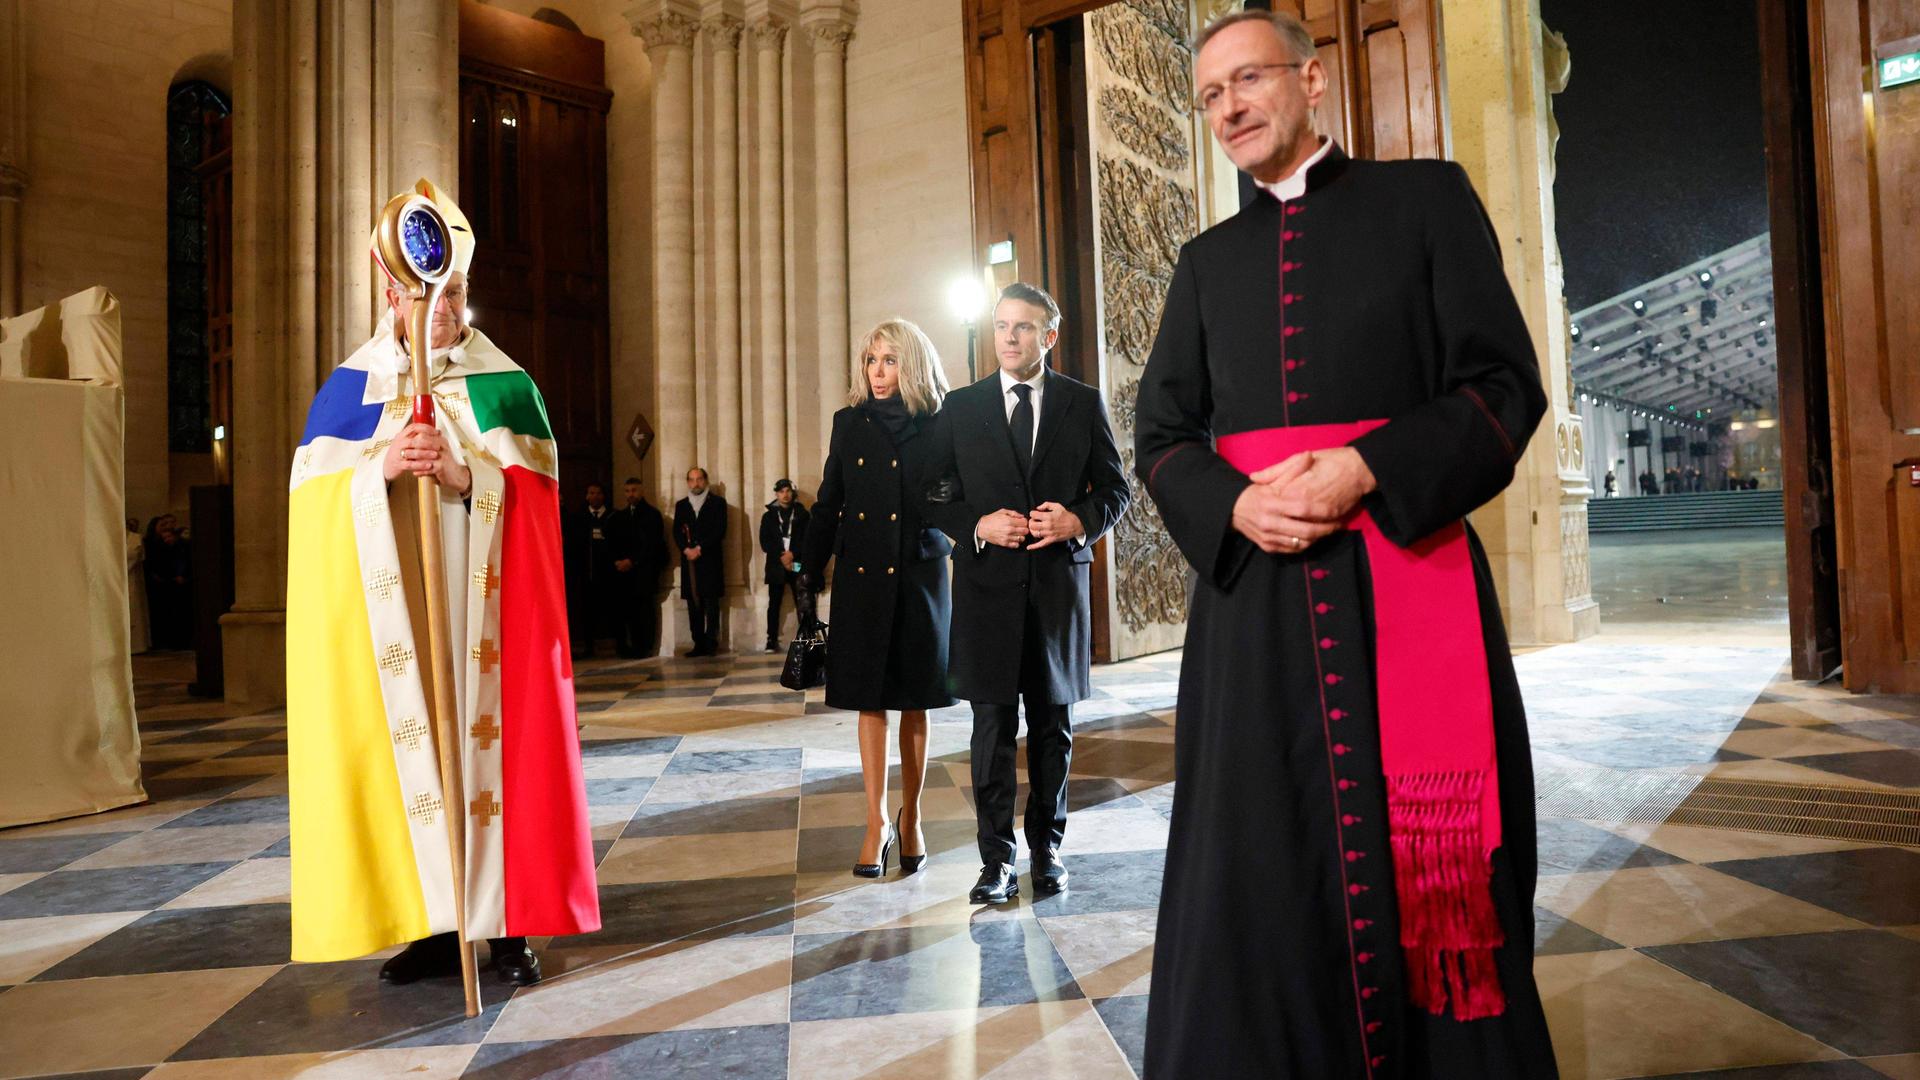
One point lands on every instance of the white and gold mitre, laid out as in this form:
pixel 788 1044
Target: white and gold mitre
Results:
pixel 459 229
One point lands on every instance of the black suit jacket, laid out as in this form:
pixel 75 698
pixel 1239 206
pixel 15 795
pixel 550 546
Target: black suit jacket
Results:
pixel 705 577
pixel 972 472
pixel 640 535
pixel 770 537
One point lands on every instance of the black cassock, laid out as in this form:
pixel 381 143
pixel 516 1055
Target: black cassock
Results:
pixel 1375 295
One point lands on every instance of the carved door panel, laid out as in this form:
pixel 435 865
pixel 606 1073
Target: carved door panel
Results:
pixel 1867 157
pixel 1383 64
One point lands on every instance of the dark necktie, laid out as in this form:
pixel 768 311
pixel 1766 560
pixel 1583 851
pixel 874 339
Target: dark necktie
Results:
pixel 1020 426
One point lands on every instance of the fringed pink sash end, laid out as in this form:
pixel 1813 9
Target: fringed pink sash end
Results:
pixel 1442 876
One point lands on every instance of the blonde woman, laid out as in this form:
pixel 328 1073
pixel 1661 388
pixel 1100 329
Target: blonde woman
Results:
pixel 891 601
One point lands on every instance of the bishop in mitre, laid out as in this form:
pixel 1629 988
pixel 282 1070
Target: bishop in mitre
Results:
pixel 369 815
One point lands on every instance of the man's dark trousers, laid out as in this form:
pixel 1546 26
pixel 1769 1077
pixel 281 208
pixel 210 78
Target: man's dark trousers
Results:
pixel 1049 755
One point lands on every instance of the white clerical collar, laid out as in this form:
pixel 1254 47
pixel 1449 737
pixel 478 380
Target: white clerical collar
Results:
pixel 1008 382
pixel 1294 184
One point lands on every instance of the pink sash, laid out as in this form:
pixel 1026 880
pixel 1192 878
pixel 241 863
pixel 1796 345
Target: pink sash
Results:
pixel 1436 739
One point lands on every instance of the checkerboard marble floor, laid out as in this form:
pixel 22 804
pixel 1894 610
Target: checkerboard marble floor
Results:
pixel 151 941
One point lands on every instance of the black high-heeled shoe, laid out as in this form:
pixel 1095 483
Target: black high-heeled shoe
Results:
pixel 879 869
pixel 909 864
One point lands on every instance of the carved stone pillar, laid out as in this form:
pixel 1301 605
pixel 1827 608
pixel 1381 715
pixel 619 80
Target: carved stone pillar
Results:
pixel 13 151
pixel 828 28
pixel 668 28
pixel 311 80
pixel 1498 104
pixel 771 365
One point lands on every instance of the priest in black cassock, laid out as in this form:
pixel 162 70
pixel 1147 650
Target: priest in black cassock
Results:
pixel 1341 375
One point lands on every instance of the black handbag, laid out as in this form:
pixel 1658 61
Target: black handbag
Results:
pixel 806 665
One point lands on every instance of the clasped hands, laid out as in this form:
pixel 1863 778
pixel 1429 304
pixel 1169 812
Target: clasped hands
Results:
pixel 1048 523
pixel 420 449
pixel 1296 502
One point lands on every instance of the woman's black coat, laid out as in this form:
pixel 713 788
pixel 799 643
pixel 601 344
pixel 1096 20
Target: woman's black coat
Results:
pixel 891 598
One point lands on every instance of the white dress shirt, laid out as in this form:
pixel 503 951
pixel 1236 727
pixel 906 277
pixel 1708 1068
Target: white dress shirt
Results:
pixel 1294 184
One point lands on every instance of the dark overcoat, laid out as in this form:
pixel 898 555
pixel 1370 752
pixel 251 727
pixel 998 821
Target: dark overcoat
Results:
pixel 973 472
pixel 704 577
pixel 891 599
pixel 1375 295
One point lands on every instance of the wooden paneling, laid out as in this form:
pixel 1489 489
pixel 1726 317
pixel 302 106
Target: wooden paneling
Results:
pixel 1806 455
pixel 1384 78
pixel 1867 150
pixel 533 154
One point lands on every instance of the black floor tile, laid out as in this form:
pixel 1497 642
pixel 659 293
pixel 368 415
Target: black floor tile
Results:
pixel 657 744
pixel 1878 885
pixel 618 790
pixel 1853 989
pixel 927 968
pixel 34 854
pixel 660 693
pixel 1553 935
pixel 185 939
pixel 323 1008
pixel 593 706
pixel 1900 768
pixel 87 892
pixel 1101 881
pixel 777 697
pixel 746 1053
pixel 732 815
pixel 247 811
pixel 161 788
pixel 1808 1070
pixel 1126 1020
pixel 732 761
pixel 1569 847
pixel 704 909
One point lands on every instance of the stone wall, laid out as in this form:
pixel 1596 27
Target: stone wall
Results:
pixel 93 211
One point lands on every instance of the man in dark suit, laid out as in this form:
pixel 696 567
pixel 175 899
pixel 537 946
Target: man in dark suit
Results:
pixel 587 534
pixel 1024 475
pixel 783 532
pixel 640 553
pixel 699 528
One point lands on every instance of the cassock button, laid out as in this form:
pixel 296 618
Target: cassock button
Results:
pixel 1364 957
pixel 1339 749
pixel 1349 819
pixel 1362 924
pixel 889 569
pixel 1323 607
pixel 1373 1026
pixel 1318 574
pixel 893 517
pixel 1291 364
pixel 860 461
pixel 1337 714
pixel 1333 680
pixel 1368 991
pixel 1379 1060
pixel 863 516
pixel 1286 298
pixel 1290 331
pixel 1356 890
pixel 1287 267
pixel 1356 856
pixel 1288 235
pixel 1293 208
pixel 1293 396
pixel 1345 784
pixel 895 465
pixel 1327 643
pixel 862 569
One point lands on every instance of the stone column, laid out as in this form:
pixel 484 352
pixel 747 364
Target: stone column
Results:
pixel 1498 105
pixel 778 389
pixel 308 179
pixel 668 28
pixel 722 136
pixel 829 27
pixel 13 152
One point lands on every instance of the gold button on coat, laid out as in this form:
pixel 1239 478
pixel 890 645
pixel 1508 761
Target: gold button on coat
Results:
pixel 889 569
pixel 863 569
pixel 896 463
pixel 893 517
pixel 862 517
pixel 859 461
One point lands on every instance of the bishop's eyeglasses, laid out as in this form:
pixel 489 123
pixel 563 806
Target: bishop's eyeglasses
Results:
pixel 1244 81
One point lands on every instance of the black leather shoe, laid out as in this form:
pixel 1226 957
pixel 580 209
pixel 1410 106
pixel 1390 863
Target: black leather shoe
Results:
pixel 514 961
pixel 427 958
pixel 1049 873
pixel 997 885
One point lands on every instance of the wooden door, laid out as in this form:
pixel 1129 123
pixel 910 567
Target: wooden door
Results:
pixel 1386 87
pixel 1867 158
pixel 533 182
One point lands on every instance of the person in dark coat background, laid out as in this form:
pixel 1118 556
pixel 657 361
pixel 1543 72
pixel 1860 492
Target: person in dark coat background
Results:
pixel 699 531
pixel 169 570
pixel 1024 477
pixel 1341 374
pixel 640 553
pixel 593 590
pixel 891 597
pixel 783 531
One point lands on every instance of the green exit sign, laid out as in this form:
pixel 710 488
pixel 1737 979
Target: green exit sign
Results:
pixel 1896 70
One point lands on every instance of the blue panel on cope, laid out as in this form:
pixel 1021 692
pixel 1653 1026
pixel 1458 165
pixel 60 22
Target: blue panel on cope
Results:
pixel 337 411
